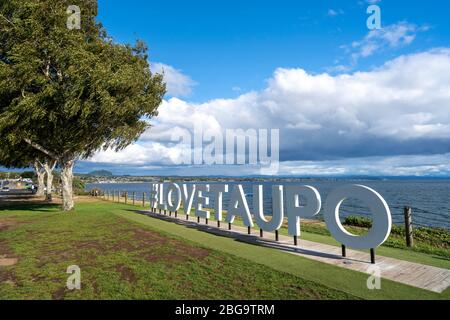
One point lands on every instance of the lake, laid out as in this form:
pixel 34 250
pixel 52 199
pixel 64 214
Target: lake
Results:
pixel 429 199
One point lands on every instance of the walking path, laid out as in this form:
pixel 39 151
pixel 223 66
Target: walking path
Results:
pixel 414 274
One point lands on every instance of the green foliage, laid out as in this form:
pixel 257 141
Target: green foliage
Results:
pixel 358 221
pixel 28 174
pixel 9 175
pixel 79 188
pixel 70 91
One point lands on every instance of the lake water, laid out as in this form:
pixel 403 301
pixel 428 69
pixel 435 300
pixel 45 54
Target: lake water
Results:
pixel 430 200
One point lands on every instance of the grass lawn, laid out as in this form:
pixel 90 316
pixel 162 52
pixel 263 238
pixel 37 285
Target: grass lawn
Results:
pixel 123 255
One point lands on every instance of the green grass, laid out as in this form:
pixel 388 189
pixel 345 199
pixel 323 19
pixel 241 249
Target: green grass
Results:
pixel 130 256
pixel 121 259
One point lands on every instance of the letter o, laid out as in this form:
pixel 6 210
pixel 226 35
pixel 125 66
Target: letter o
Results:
pixel 382 221
pixel 173 205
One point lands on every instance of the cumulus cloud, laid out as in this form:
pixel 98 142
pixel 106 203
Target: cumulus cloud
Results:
pixel 178 84
pixel 398 110
pixel 140 154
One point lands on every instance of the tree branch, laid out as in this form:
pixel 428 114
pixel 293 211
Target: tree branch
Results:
pixel 40 163
pixel 7 20
pixel 42 149
pixel 54 164
pixel 38 169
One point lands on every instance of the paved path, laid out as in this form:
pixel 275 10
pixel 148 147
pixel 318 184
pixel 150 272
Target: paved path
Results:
pixel 414 274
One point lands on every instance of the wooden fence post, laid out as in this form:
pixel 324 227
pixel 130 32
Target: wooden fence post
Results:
pixel 134 198
pixel 408 227
pixel 143 199
pixel 126 197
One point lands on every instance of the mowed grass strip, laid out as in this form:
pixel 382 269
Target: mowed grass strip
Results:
pixel 122 259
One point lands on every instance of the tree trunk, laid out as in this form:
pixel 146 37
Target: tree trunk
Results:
pixel 66 182
pixel 48 195
pixel 49 170
pixel 40 177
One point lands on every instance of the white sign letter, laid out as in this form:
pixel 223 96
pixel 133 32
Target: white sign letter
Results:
pixel 201 200
pixel 277 208
pixel 295 211
pixel 218 190
pixel 238 206
pixel 381 215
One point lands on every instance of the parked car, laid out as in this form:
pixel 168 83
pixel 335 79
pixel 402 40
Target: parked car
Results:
pixel 5 189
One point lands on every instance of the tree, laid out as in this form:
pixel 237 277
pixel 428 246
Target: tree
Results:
pixel 22 155
pixel 68 93
pixel 40 174
pixel 49 166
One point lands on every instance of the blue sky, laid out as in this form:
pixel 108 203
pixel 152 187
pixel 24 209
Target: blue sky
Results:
pixel 346 100
pixel 230 47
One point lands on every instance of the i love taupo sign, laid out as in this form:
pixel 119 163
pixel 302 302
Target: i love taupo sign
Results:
pixel 285 203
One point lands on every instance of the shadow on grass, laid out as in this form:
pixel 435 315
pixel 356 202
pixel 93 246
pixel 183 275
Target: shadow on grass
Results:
pixel 34 207
pixel 242 237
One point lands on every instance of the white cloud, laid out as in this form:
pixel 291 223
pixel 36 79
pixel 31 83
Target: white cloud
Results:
pixel 397 111
pixel 178 84
pixel 334 13
pixel 412 165
pixel 140 154
pixel 390 37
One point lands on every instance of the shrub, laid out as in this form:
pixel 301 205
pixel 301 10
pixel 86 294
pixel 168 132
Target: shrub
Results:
pixel 96 192
pixel 358 222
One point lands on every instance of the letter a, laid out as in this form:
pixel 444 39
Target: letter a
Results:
pixel 374 21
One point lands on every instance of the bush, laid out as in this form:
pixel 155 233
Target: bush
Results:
pixel 358 222
pixel 79 187
pixel 96 192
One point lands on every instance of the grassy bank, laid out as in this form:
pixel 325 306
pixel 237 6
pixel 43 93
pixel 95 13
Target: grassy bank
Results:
pixel 126 255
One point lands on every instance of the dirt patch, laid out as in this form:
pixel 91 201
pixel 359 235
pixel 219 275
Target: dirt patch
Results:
pixel 6 255
pixel 160 248
pixel 82 251
pixel 7 277
pixel 6 223
pixel 5 262
pixel 59 294
pixel 126 273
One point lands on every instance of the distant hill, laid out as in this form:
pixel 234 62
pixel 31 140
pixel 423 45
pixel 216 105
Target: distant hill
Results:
pixel 101 173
